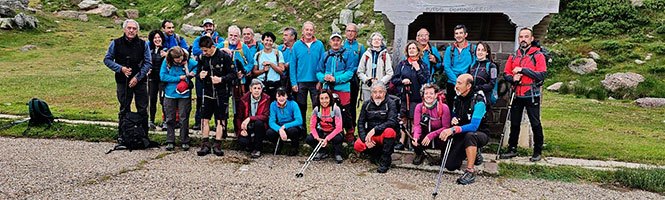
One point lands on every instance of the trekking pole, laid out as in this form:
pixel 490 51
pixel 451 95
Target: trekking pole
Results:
pixel 309 160
pixel 443 165
pixel 272 161
pixel 508 118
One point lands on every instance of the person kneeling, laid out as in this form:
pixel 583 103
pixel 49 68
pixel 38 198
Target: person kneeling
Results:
pixel 469 129
pixel 285 121
pixel 432 116
pixel 376 127
pixel 253 112
pixel 326 120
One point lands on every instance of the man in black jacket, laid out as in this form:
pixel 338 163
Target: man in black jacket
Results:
pixel 216 72
pixel 129 57
pixel 376 127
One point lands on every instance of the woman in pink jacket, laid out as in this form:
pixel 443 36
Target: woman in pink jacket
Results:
pixel 430 118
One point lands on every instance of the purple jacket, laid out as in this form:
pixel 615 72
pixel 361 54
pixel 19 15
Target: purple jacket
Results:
pixel 439 119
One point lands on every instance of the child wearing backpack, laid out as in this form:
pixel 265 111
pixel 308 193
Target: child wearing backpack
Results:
pixel 484 73
pixel 176 71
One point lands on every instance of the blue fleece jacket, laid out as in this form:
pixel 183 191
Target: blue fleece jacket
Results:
pixel 341 68
pixel 171 42
pixel 171 76
pixel 289 116
pixel 304 61
pixel 216 39
pixel 245 58
pixel 432 51
pixel 354 46
pixel 456 62
pixel 287 53
pixel 254 48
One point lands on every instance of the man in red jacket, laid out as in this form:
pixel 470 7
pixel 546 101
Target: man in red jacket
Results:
pixel 526 69
pixel 253 118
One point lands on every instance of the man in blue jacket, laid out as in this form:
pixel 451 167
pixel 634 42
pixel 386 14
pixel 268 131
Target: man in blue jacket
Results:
pixel 307 54
pixel 248 39
pixel 457 60
pixel 351 43
pixel 208 30
pixel 335 72
pixel 172 39
pixel 431 56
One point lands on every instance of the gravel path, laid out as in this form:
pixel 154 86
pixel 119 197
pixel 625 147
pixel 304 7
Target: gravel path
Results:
pixel 62 169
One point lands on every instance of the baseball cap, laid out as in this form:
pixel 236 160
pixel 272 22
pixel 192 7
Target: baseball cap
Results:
pixel 335 35
pixel 208 21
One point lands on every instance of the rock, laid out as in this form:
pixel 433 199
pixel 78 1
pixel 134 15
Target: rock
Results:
pixel 372 22
pixel 191 30
pixel 334 27
pixel 188 15
pixel 611 98
pixel 83 17
pixel 353 4
pixel 491 167
pixel 28 47
pixel 68 14
pixel 193 3
pixel 358 14
pixel 345 16
pixel 25 21
pixel 257 38
pixel 639 62
pixel 648 57
pixel 88 4
pixel 229 2
pixel 16 4
pixel 650 102
pixel 628 80
pixel 637 2
pixel 6 23
pixel 555 87
pixel 107 10
pixel 583 66
pixel 5 11
pixel 594 55
pixel 118 21
pixel 271 5
pixel 132 13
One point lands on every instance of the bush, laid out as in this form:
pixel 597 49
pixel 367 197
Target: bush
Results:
pixel 646 179
pixel 658 49
pixel 660 29
pixel 598 18
pixel 610 45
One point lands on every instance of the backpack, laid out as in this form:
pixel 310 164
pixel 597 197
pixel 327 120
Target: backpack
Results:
pixel 239 50
pixel 494 96
pixel 39 114
pixel 383 56
pixel 133 133
pixel 452 53
pixel 318 116
pixel 338 55
pixel 258 56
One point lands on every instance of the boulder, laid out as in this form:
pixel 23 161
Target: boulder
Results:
pixel 88 4
pixel 271 5
pixel 555 87
pixel 637 2
pixel 583 66
pixel 107 10
pixel 334 27
pixel 188 15
pixel 353 4
pixel 358 13
pixel 6 23
pixel 16 4
pixel 628 80
pixel 193 3
pixel 594 55
pixel 68 14
pixel 24 21
pixel 28 47
pixel 650 102
pixel 191 30
pixel 83 17
pixel 5 11
pixel 345 16
pixel 132 13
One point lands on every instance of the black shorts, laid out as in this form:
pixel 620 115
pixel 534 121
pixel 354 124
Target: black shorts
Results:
pixel 220 111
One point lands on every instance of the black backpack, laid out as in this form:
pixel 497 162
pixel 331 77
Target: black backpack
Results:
pixel 133 133
pixel 39 114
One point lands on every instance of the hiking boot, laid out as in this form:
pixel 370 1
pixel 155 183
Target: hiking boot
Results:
pixel 293 152
pixel 479 157
pixel 320 156
pixel 217 150
pixel 170 147
pixel 152 126
pixel 205 149
pixel 419 159
pixel 468 177
pixel 185 147
pixel 399 146
pixel 535 158
pixel 382 169
pixel 177 125
pixel 196 127
pixel 339 159
pixel 512 152
pixel 255 154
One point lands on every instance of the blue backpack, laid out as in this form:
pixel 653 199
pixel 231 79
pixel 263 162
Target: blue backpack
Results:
pixel 494 96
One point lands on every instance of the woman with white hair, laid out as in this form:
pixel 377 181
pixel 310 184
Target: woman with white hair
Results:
pixel 375 65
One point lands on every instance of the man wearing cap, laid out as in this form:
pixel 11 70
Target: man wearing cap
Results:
pixel 208 30
pixel 335 72
pixel 253 116
pixel 307 55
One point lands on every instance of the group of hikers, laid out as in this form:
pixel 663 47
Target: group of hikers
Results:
pixel 402 106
